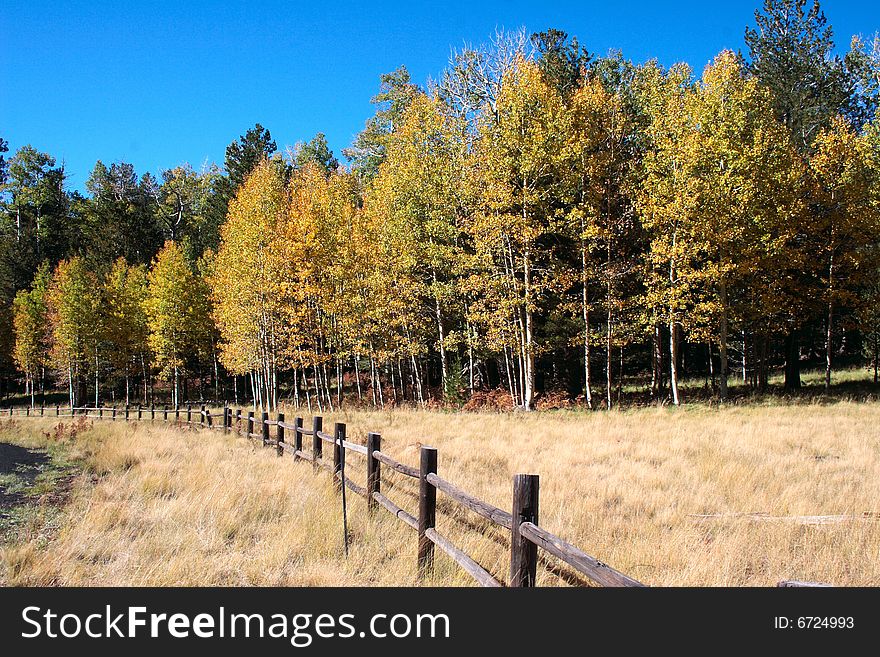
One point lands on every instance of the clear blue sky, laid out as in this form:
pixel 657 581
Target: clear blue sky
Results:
pixel 162 83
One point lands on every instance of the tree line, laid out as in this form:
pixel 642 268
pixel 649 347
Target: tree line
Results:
pixel 537 219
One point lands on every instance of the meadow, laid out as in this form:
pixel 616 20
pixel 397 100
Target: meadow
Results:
pixel 692 496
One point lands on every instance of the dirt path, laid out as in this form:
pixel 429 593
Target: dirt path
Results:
pixel 34 484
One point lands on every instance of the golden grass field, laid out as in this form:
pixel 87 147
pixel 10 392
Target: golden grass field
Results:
pixel 156 505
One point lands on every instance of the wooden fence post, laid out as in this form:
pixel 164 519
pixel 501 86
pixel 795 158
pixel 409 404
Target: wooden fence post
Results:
pixel 165 412
pixel 427 508
pixel 250 424
pixel 317 444
pixel 100 412
pixel 523 553
pixel 238 420
pixel 279 434
pixel 209 419
pixel 57 410
pixel 126 412
pixel 264 429
pixel 297 437
pixel 374 472
pixel 189 411
pixel 202 415
pixel 338 432
pixel 140 412
pixel 152 411
pixel 42 409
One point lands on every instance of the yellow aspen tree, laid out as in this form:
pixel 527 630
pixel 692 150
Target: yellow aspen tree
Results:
pixel 75 319
pixel 175 314
pixel 250 284
pixel 736 134
pixel 421 186
pixel 667 204
pixel 598 130
pixel 30 321
pixel 846 220
pixel 518 156
pixel 127 333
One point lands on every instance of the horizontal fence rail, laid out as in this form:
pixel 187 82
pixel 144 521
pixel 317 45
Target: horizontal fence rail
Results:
pixel 526 535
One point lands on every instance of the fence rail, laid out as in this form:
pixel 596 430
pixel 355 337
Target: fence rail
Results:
pixel 526 535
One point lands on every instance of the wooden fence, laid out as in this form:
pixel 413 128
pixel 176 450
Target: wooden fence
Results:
pixel 526 535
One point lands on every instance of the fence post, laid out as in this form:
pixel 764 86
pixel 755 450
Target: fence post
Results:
pixel 177 412
pixel 152 411
pixel 297 437
pixel 126 412
pixel 225 417
pixel 57 410
pixel 264 429
pixel 113 415
pixel 374 473
pixel 317 445
pixel 189 412
pixel 523 553
pixel 427 508
pixel 42 409
pixel 238 419
pixel 202 415
pixel 165 412
pixel 250 424
pixel 279 434
pixel 338 432
pixel 210 419
pixel 100 412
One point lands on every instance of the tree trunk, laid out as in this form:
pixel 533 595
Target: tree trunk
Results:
pixel 657 363
pixel 876 356
pixel 440 332
pixel 470 348
pixel 620 376
pixel 828 346
pixel 144 374
pixel 216 378
pixel 402 381
pixel 722 345
pixel 585 309
pixel 70 390
pixel 306 389
pixel 792 360
pixel 673 362
pixel 711 366
pixel 608 373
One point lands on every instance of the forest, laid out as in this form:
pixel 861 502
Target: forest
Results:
pixel 538 223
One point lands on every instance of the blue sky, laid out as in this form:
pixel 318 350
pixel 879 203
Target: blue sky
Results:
pixel 162 83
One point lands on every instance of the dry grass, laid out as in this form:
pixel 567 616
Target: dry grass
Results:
pixel 191 508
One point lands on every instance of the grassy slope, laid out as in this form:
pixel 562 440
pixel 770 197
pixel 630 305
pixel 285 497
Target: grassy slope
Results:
pixel 198 508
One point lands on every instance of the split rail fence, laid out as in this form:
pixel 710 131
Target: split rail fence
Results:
pixel 526 535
